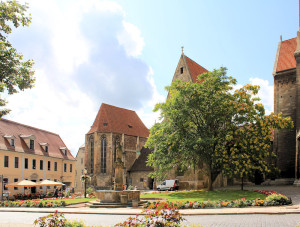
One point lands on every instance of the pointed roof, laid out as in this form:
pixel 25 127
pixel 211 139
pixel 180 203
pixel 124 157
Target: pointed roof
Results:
pixel 194 68
pixel 41 137
pixel 119 120
pixel 140 163
pixel 285 58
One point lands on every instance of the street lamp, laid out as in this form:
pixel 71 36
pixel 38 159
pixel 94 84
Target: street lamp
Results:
pixel 85 176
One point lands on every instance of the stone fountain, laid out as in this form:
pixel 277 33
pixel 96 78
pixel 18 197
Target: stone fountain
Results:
pixel 117 197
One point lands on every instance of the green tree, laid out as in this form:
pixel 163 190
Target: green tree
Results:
pixel 248 146
pixel 195 119
pixel 206 126
pixel 15 74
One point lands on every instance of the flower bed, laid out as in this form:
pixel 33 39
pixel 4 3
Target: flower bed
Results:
pixel 32 203
pixel 273 199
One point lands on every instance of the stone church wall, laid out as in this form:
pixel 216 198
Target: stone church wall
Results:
pixel 284 141
pixel 105 180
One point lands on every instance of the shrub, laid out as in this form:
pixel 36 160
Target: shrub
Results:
pixel 51 220
pixel 74 223
pixel 90 190
pixel 63 203
pixel 278 199
pixel 156 218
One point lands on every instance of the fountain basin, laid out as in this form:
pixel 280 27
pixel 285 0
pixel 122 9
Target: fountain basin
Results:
pixel 112 196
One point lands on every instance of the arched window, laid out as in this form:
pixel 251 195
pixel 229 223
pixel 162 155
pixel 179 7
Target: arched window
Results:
pixel 92 154
pixel 103 154
pixel 115 148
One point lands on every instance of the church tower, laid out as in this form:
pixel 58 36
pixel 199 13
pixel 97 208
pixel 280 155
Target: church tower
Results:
pixel 187 69
pixel 286 74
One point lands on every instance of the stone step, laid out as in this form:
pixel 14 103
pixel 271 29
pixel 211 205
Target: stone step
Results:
pixel 108 206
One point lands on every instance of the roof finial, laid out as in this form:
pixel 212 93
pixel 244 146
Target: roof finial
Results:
pixel 280 38
pixel 183 46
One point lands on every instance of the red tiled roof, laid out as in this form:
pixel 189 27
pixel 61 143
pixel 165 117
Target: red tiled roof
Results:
pixel 118 120
pixel 286 59
pixel 15 129
pixel 195 68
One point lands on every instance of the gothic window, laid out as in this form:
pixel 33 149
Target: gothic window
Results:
pixel 115 148
pixel 103 154
pixel 92 154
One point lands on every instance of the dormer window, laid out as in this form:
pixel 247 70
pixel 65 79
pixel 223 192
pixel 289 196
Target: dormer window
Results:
pixel 64 150
pixel 10 139
pixel 129 126
pixel 44 146
pixel 12 142
pixel 105 124
pixel 31 144
pixel 29 140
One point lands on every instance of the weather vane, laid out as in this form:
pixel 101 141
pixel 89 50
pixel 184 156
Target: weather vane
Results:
pixel 182 49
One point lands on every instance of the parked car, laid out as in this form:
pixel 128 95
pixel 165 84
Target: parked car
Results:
pixel 172 184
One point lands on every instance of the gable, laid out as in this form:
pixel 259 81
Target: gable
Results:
pixel 118 120
pixel 188 70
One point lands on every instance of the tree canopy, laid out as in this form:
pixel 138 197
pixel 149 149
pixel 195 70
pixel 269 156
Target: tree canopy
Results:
pixel 200 123
pixel 15 74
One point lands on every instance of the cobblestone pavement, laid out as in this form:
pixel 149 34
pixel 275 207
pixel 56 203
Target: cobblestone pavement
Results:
pixel 7 219
pixel 249 220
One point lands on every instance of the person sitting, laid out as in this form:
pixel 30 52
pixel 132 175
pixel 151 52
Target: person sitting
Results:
pixel 55 193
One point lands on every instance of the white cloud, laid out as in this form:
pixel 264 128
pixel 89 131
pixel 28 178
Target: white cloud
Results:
pixel 85 53
pixel 266 93
pixel 146 113
pixel 130 37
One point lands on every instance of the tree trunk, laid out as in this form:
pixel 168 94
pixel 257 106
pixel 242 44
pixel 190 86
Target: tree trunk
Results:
pixel 210 183
pixel 242 185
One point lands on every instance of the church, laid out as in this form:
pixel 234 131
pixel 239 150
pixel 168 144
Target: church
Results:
pixel 286 75
pixel 113 125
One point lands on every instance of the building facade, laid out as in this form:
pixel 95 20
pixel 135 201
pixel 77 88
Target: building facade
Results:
pixel 111 126
pixel 79 169
pixel 33 154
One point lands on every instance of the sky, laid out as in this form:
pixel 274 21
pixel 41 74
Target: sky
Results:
pixel 125 52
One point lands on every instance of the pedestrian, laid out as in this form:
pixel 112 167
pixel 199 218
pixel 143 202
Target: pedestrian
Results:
pixel 55 193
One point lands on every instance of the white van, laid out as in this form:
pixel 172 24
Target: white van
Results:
pixel 172 184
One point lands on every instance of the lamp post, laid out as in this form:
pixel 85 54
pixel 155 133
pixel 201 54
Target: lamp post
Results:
pixel 85 178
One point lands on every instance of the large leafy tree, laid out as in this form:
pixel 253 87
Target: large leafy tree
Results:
pixel 248 145
pixel 207 126
pixel 15 74
pixel 195 119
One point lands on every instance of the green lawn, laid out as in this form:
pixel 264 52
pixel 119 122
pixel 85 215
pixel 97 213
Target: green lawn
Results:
pixel 206 195
pixel 70 201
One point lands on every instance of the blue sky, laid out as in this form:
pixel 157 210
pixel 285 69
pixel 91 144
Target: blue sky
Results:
pixel 124 53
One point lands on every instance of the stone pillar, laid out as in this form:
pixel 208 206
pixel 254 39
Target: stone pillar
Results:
pixel 119 165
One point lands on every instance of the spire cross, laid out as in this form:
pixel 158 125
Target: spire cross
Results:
pixel 183 46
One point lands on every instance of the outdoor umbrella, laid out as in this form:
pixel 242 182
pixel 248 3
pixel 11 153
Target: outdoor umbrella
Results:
pixel 22 183
pixel 49 183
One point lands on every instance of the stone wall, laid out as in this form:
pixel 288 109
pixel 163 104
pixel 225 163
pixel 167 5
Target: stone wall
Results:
pixel 140 179
pixel 284 144
pixel 130 145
